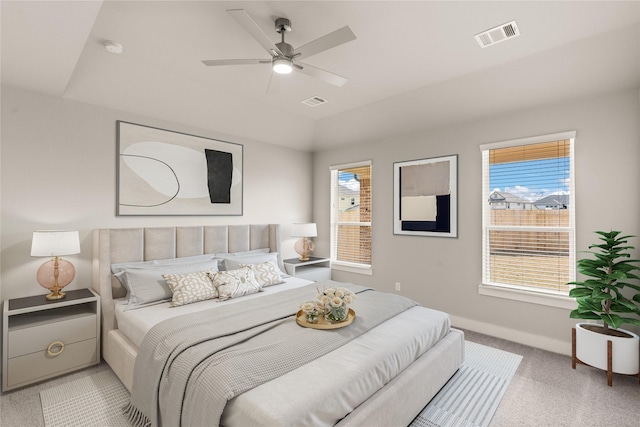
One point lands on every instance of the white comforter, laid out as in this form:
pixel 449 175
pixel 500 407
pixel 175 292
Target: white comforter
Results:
pixel 322 392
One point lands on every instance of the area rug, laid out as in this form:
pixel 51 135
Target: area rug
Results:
pixel 472 395
pixel 469 399
pixel 96 400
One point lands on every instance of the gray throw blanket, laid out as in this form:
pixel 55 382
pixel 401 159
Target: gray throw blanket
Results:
pixel 188 367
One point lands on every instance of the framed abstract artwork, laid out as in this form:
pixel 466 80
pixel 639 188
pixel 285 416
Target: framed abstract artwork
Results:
pixel 425 199
pixel 161 172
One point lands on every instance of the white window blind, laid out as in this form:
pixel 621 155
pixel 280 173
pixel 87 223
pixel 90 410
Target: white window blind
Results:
pixel 528 213
pixel 351 214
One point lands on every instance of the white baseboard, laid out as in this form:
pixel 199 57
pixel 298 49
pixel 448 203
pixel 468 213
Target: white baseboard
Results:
pixel 538 341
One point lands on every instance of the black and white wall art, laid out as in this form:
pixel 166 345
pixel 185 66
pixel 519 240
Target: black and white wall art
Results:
pixel 425 197
pixel 161 172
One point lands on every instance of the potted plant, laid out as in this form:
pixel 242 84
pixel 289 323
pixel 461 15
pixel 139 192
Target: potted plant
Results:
pixel 602 298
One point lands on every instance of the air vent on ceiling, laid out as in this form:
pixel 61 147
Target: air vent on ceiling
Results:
pixel 314 101
pixel 498 34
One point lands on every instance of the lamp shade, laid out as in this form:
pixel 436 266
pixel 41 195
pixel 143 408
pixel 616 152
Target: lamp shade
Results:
pixel 55 243
pixel 304 230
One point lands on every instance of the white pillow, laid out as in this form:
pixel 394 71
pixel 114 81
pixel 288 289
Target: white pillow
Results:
pixel 191 287
pixel 267 273
pixel 146 286
pixel 233 263
pixel 119 267
pixel 235 283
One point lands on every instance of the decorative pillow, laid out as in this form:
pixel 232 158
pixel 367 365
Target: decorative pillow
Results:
pixel 266 273
pixel 146 286
pixel 233 263
pixel 235 283
pixel 191 287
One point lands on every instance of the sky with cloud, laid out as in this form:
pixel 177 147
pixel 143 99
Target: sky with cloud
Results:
pixel 533 179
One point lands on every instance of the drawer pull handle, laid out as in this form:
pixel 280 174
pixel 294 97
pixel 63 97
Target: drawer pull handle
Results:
pixel 53 344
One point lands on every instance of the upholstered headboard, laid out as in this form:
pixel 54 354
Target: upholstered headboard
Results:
pixel 119 245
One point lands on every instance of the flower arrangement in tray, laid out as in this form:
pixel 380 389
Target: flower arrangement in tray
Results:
pixel 331 303
pixel 335 302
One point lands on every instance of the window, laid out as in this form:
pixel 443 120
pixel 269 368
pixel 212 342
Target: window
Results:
pixel 528 217
pixel 351 217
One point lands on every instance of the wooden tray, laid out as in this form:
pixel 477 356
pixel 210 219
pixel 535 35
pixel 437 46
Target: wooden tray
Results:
pixel 301 318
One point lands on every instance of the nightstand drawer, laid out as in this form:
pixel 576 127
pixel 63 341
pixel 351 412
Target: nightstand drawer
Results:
pixel 40 364
pixel 36 336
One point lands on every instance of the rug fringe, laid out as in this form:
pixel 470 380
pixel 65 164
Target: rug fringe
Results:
pixel 136 418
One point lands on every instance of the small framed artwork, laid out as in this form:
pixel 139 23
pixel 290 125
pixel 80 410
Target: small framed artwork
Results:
pixel 161 172
pixel 425 201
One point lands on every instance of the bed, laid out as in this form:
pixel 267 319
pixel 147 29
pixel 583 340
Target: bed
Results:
pixel 388 390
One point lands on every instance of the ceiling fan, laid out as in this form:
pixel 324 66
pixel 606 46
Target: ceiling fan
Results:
pixel 284 58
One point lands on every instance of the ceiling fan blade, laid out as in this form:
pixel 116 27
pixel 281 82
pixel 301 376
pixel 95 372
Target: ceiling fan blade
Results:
pixel 212 62
pixel 323 75
pixel 250 26
pixel 326 42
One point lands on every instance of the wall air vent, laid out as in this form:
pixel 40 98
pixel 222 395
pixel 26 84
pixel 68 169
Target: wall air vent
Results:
pixel 314 101
pixel 498 34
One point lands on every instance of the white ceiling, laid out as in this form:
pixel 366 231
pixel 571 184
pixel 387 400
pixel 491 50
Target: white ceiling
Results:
pixel 414 64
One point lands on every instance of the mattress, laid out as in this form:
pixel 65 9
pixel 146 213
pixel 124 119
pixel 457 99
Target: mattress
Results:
pixel 344 378
pixel 134 324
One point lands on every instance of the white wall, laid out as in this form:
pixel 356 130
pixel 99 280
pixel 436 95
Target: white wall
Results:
pixel 444 273
pixel 58 172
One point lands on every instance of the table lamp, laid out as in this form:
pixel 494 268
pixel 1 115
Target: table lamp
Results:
pixel 56 273
pixel 304 246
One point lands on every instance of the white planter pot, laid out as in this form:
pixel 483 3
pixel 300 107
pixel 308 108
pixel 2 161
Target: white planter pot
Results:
pixel 591 348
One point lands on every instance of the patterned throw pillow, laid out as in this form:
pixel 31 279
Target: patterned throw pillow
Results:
pixel 235 283
pixel 266 273
pixel 191 287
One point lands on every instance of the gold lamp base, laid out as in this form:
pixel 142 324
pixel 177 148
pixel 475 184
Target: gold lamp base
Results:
pixel 55 294
pixel 304 247
pixel 55 275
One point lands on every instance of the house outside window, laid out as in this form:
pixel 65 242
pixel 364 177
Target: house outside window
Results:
pixel 528 217
pixel 351 217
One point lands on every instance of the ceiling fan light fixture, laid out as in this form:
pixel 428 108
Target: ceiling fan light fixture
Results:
pixel 282 66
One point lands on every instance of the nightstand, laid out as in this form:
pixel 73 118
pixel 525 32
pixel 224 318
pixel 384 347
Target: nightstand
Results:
pixel 43 339
pixel 316 268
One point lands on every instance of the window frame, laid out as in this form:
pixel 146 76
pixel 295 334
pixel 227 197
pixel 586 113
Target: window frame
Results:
pixel 515 292
pixel 336 264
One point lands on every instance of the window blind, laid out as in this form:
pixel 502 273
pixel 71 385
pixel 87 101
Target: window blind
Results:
pixel 351 214
pixel 529 214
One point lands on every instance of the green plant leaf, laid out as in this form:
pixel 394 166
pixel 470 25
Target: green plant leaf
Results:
pixel 624 307
pixel 580 292
pixel 587 304
pixel 599 295
pixel 612 320
pixel 575 314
